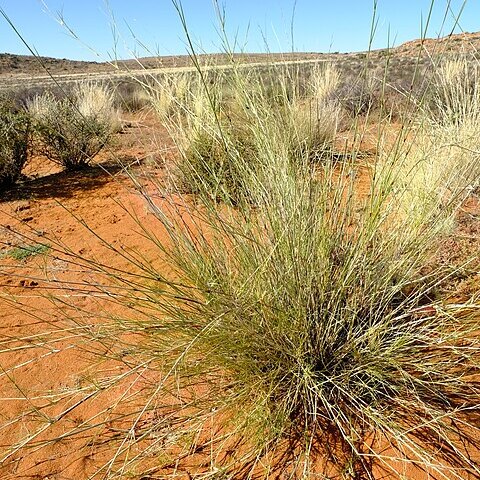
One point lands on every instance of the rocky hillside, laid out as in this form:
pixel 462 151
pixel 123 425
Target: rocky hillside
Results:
pixel 460 43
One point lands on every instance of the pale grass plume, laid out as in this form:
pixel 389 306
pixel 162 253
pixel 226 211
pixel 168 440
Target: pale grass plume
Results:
pixel 456 91
pixel 167 93
pixel 324 80
pixel 41 105
pixel 440 162
pixel 97 100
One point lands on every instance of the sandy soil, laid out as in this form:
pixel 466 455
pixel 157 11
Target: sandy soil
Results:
pixel 39 355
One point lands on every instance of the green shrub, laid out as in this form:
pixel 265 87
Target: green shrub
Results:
pixel 15 136
pixel 73 130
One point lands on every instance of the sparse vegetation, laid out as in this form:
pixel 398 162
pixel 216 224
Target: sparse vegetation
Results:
pixel 26 251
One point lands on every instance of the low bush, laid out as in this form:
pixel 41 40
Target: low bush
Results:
pixel 74 129
pixel 15 136
pixel 358 97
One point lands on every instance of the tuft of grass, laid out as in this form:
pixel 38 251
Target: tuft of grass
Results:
pixel 218 126
pixel 26 251
pixel 317 334
pixel 300 333
pixel 131 97
pixel 441 162
pixel 455 91
pixel 303 318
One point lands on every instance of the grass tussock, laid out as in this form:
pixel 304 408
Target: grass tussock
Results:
pixel 441 161
pixel 307 318
pixel 216 124
pixel 318 333
pixel 455 91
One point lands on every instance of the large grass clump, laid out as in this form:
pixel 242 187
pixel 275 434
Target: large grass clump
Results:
pixel 311 329
pixel 15 137
pixel 74 129
pixel 300 333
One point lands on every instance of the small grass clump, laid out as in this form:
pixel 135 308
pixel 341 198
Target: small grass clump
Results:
pixel 131 97
pixel 455 94
pixel 73 130
pixel 443 156
pixel 26 251
pixel 15 137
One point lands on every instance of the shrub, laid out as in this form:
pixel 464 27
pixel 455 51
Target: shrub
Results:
pixel 73 130
pixel 358 97
pixel 15 135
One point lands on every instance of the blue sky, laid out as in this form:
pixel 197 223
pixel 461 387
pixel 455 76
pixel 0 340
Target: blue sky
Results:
pixel 319 25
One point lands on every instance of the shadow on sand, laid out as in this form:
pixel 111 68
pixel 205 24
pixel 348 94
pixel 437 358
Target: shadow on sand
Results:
pixel 63 184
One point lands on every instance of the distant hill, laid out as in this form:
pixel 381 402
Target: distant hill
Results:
pixel 14 65
pixel 30 65
pixel 14 68
pixel 458 43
